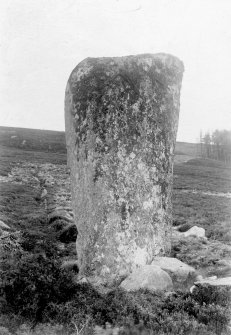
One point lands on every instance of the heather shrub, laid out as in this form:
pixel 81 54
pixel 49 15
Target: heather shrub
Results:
pixel 207 294
pixel 34 287
pixel 29 282
pixel 39 242
pixel 141 312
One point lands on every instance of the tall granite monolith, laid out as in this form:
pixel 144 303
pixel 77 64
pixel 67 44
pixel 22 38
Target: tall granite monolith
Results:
pixel 121 123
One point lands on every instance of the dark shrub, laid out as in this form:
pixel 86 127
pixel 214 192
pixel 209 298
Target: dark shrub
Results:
pixel 178 222
pixel 68 234
pixel 58 224
pixel 29 282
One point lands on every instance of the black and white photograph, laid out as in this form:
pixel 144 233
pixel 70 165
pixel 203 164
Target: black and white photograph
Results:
pixel 115 167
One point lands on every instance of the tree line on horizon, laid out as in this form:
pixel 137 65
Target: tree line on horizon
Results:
pixel 216 145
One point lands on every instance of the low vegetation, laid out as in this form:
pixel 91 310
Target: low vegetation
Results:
pixel 37 293
pixel 38 296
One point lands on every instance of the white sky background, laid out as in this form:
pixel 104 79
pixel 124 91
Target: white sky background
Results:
pixel 43 40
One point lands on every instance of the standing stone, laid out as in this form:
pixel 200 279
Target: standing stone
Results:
pixel 121 122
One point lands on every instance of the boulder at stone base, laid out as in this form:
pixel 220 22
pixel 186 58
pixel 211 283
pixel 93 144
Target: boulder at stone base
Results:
pixel 150 277
pixel 177 270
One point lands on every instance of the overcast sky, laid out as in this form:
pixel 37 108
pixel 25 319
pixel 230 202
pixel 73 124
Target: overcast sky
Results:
pixel 43 40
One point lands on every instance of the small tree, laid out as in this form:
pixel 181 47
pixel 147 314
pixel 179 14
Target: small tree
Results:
pixel 207 142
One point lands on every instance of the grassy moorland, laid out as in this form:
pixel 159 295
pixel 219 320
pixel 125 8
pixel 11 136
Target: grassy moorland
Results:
pixel 38 297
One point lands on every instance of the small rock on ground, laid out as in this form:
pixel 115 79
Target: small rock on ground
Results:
pixel 195 231
pixel 4 226
pixel 213 281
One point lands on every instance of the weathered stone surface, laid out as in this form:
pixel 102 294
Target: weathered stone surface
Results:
pixel 177 270
pixel 150 277
pixel 121 121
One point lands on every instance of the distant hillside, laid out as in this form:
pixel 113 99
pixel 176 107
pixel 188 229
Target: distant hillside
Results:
pixel 33 139
pixel 184 148
pixel 54 141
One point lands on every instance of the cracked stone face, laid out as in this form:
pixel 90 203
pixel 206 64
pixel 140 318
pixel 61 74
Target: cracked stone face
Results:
pixel 121 121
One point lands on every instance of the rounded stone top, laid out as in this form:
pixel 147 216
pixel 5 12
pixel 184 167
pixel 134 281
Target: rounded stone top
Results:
pixel 167 59
pixel 165 66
